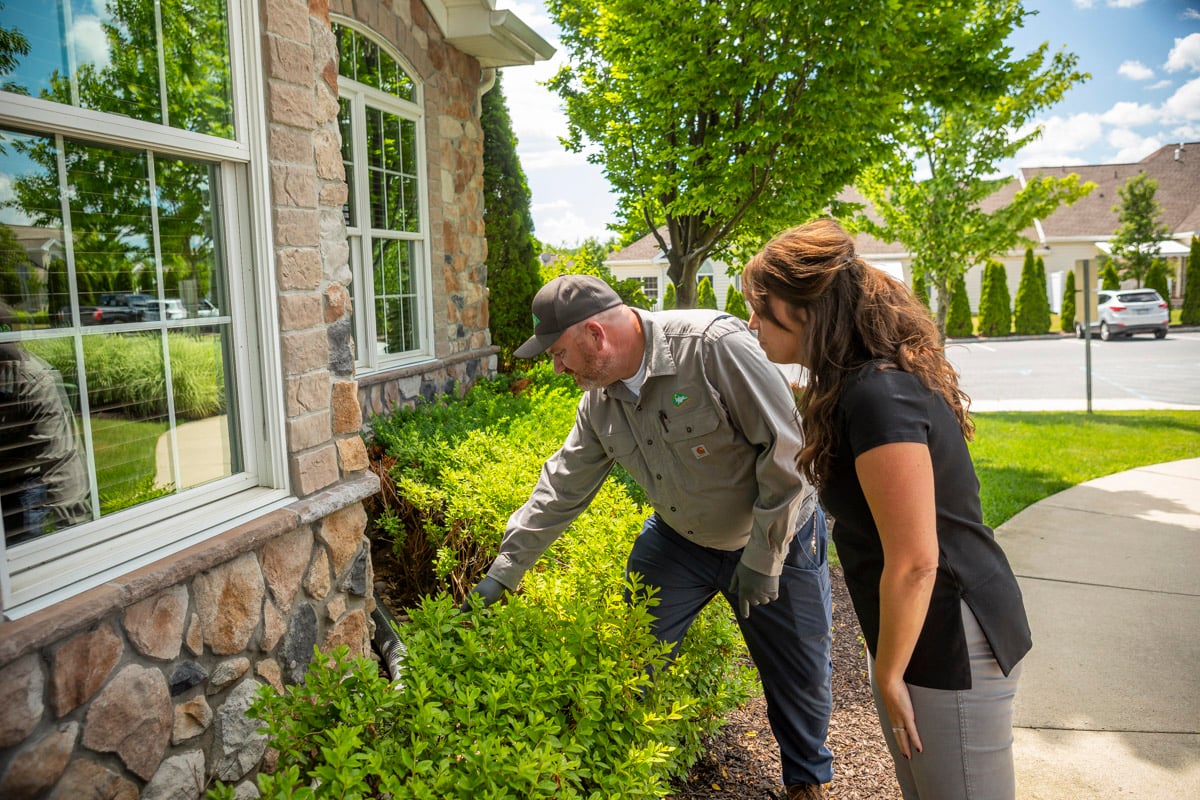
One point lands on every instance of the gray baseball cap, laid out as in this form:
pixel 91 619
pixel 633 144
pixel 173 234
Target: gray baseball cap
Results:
pixel 561 303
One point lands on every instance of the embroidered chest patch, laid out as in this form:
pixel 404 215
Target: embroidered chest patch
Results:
pixel 700 451
pixel 678 399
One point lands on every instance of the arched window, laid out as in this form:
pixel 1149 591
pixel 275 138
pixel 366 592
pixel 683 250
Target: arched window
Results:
pixel 383 149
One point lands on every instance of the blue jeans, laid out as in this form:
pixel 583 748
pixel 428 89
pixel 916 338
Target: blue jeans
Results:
pixel 788 638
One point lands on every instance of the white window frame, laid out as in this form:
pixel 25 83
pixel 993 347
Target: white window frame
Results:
pixel 41 572
pixel 360 96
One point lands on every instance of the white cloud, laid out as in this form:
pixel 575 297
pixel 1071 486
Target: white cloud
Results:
pixel 1191 13
pixel 1124 3
pixel 1062 138
pixel 1135 70
pixel 1184 105
pixel 1128 115
pixel 1185 54
pixel 88 39
pixel 1131 147
pixel 11 215
pixel 1084 3
pixel 1165 83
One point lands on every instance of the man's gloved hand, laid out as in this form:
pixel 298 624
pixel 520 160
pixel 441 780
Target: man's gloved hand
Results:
pixel 489 589
pixel 752 588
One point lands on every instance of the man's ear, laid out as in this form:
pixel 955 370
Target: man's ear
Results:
pixel 594 331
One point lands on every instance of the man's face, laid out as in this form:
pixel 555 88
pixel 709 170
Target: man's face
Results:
pixel 580 353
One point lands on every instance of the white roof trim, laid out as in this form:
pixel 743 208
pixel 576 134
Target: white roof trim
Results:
pixel 495 38
pixel 1166 247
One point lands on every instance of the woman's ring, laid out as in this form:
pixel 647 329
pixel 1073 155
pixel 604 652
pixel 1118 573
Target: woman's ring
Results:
pixel 897 730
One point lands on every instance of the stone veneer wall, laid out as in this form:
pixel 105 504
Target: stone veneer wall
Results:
pixel 138 687
pixel 450 82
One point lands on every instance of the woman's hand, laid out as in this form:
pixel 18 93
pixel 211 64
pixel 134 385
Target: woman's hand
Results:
pixel 899 708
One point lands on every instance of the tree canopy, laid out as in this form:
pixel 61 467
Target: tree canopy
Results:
pixel 935 193
pixel 728 120
pixel 1136 243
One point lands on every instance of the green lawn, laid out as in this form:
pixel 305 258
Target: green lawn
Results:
pixel 125 461
pixel 1024 457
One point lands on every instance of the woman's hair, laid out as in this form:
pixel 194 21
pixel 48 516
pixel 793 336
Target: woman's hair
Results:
pixel 855 314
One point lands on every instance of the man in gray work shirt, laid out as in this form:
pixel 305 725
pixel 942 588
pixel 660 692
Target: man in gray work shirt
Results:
pixel 688 404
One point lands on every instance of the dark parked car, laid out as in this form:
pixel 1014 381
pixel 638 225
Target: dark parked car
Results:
pixel 1124 312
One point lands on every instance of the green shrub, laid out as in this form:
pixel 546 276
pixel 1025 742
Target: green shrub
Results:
pixel 1190 313
pixel 1109 278
pixel 668 300
pixel 995 313
pixel 1156 279
pixel 1067 315
pixel 705 296
pixel 1031 311
pixel 958 318
pixel 735 303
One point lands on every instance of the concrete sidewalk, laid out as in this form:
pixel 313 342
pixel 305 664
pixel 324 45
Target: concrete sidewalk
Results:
pixel 1109 702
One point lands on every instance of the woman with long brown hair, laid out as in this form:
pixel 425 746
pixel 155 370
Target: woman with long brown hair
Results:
pixel 886 428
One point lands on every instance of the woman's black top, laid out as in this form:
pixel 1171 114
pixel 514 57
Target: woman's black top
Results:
pixel 885 405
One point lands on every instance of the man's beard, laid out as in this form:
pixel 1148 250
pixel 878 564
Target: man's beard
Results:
pixel 597 371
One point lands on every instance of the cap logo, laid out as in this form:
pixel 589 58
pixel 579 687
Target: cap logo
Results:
pixel 679 398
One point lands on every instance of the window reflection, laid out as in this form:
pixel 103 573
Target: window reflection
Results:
pixel 127 316
pixel 162 61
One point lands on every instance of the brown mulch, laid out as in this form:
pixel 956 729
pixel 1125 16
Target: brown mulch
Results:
pixel 742 760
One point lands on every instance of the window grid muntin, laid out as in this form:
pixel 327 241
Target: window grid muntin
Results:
pixel 415 307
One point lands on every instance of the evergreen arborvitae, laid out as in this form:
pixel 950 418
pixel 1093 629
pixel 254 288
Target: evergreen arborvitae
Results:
pixel 705 296
pixel 512 262
pixel 1066 318
pixel 1044 305
pixel 735 303
pixel 1191 286
pixel 1109 279
pixel 995 311
pixel 1156 279
pixel 669 297
pixel 958 319
pixel 920 289
pixel 1027 314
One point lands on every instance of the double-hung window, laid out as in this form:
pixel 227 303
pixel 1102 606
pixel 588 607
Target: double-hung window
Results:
pixel 383 146
pixel 129 401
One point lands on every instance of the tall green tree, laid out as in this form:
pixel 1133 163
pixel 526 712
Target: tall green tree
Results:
pixel 512 262
pixel 995 308
pixel 735 303
pixel 1156 279
pixel 958 318
pixel 1109 278
pixel 1137 241
pixel 1190 313
pixel 930 194
pixel 1066 317
pixel 668 301
pixel 728 120
pixel 1031 311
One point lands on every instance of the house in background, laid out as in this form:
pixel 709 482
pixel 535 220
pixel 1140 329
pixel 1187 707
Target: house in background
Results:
pixel 644 261
pixel 314 169
pixel 1075 236
pixel 1072 238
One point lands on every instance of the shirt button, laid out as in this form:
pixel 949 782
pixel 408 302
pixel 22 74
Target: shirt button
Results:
pixel 610 449
pixel 649 441
pixel 691 533
pixel 659 477
pixel 689 428
pixel 672 508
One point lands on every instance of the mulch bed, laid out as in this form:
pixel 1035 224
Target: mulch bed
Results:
pixel 742 760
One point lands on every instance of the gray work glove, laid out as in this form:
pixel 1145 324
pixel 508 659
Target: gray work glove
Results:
pixel 489 590
pixel 752 588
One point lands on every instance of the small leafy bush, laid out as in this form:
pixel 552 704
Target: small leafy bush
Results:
pixel 550 695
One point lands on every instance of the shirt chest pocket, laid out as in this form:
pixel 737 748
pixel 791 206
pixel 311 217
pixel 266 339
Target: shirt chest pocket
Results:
pixel 617 443
pixel 693 424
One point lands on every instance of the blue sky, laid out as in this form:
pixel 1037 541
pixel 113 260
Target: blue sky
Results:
pixel 1144 93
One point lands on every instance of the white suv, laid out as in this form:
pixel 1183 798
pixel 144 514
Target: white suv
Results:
pixel 1124 312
